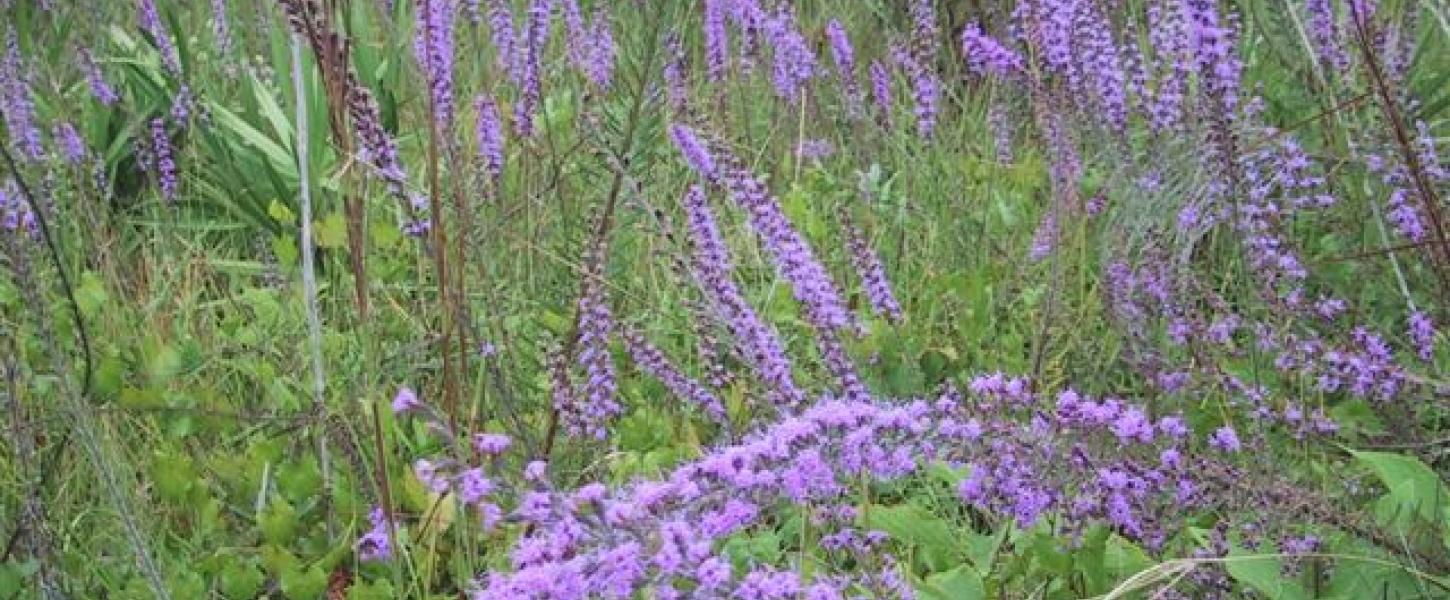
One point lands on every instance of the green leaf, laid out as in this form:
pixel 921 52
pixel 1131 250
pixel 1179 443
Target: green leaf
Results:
pixel 300 480
pixel 1413 487
pixel 303 585
pixel 280 212
pixel 961 583
pixel 381 589
pixel 172 475
pixel 1263 573
pixel 331 231
pixel 241 579
pixel 279 157
pixel 912 525
pixel 762 547
pixel 91 294
pixel 278 522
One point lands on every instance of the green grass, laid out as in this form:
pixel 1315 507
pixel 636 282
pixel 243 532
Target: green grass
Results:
pixel 201 398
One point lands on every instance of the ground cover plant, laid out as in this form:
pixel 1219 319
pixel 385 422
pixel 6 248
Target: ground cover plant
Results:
pixel 756 299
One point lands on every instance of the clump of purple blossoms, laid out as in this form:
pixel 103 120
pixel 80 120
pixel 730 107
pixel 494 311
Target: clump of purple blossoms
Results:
pixel 1324 31
pixel 406 401
pixel 794 63
pixel 814 149
pixel 674 73
pixel 1094 462
pixel 694 151
pixel 873 274
pixel 600 64
pixel 986 55
pixel 183 105
pixel 881 91
pixel 501 27
pixel 15 213
pixel 221 29
pixel 813 286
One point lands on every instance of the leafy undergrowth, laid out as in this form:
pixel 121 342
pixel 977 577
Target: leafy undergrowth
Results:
pixel 725 299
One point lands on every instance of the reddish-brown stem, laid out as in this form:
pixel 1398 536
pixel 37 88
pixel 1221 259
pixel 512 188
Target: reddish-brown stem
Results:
pixel 1429 200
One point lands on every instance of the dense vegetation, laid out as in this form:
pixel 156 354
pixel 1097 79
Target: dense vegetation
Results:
pixel 725 299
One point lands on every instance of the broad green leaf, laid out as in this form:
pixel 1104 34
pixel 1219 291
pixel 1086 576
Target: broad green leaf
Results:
pixel 1413 487
pixel 277 156
pixel 762 547
pixel 1263 573
pixel 267 105
pixel 912 525
pixel 960 583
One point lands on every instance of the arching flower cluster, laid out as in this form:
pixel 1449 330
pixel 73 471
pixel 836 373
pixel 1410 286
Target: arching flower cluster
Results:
pixel 1091 461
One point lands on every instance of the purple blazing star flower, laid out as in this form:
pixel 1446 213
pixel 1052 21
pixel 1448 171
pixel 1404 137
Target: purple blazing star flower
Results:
pixel 489 133
pixel 96 80
pixel 406 401
pixel 375 545
pixel 151 24
pixel 433 49
pixel 1422 335
pixel 1225 439
pixel 15 98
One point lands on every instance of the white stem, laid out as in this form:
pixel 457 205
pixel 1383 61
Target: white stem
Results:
pixel 309 272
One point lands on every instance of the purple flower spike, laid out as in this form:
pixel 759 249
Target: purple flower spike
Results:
pixel 489 132
pixel 152 25
pixel 163 159
pixel 433 48
pixel 650 360
pixel 72 147
pixel 1422 335
pixel 694 151
pixel 491 444
pixel 711 267
pixel 501 26
pixel 845 58
pixel 881 91
pixel 15 97
pixel 100 88
pixel 717 45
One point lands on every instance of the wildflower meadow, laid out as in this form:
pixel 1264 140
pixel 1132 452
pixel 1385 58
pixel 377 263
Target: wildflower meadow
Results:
pixel 735 299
